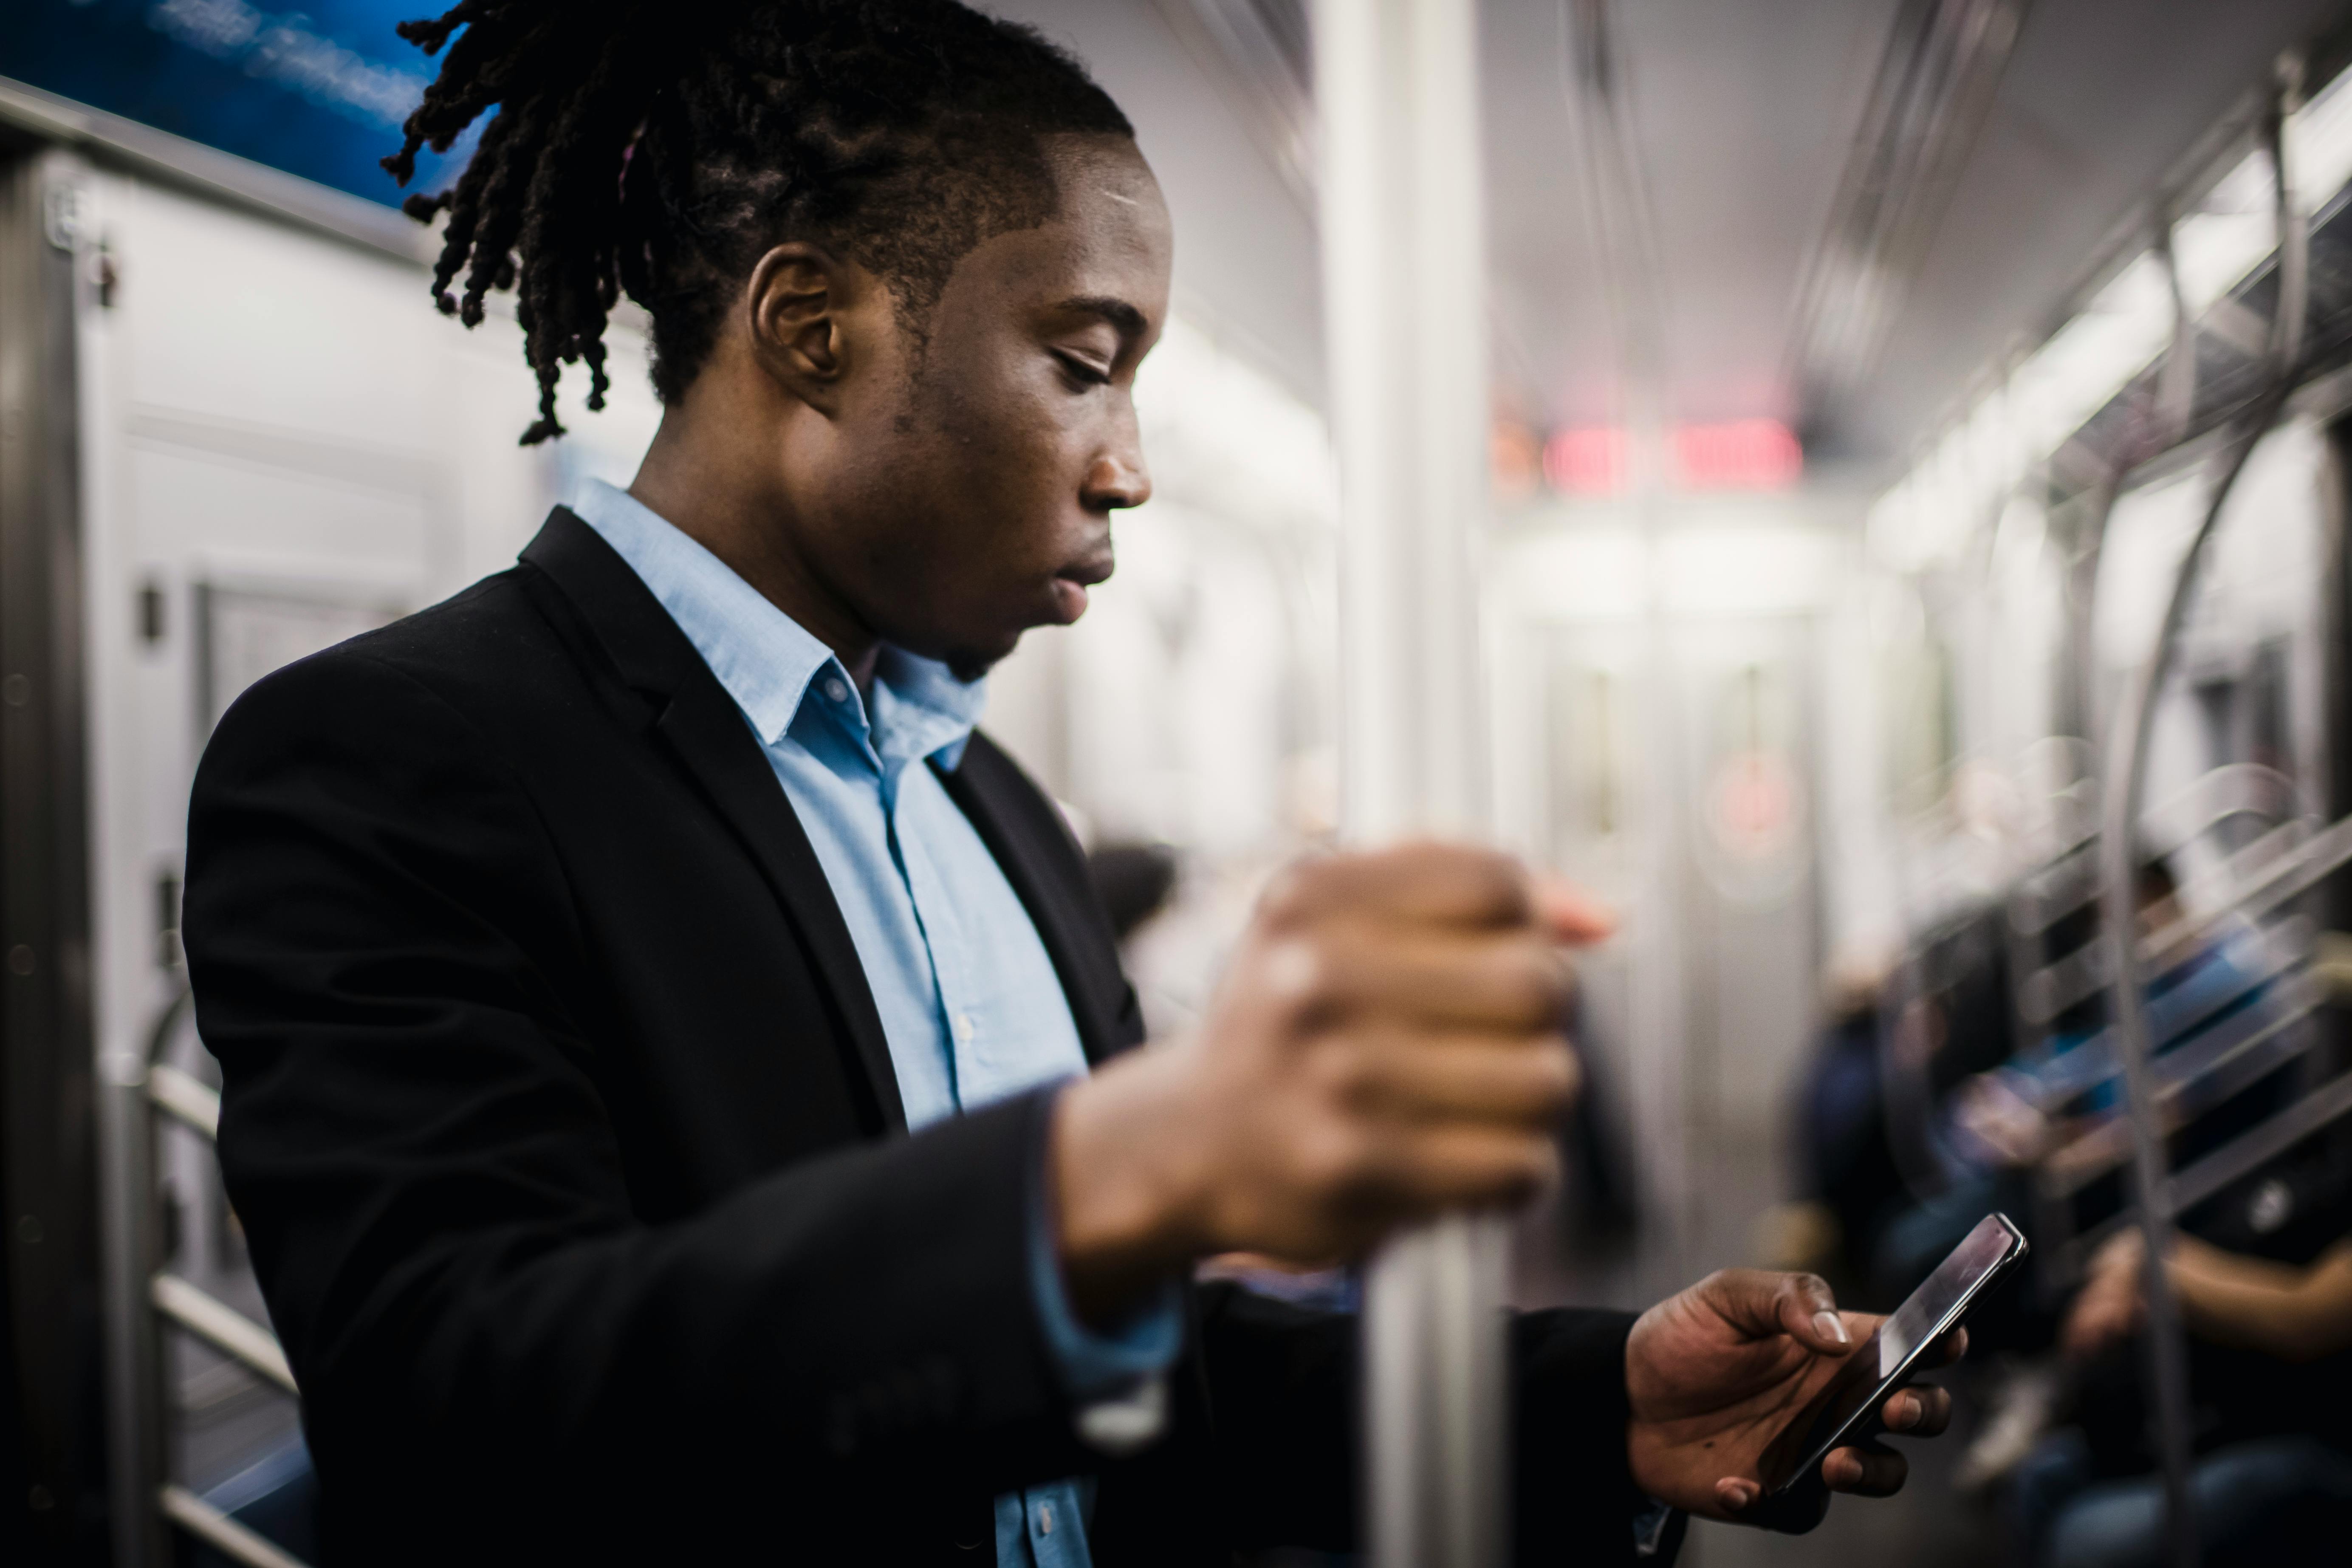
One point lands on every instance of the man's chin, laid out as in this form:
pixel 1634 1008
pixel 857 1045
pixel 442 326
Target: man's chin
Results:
pixel 969 667
pixel 1069 601
pixel 970 663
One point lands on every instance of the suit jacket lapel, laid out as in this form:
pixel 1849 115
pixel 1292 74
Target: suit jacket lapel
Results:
pixel 705 730
pixel 1033 847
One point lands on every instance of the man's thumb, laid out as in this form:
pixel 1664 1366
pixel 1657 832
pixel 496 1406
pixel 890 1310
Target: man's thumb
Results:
pixel 1802 1307
pixel 1761 1304
pixel 1809 1312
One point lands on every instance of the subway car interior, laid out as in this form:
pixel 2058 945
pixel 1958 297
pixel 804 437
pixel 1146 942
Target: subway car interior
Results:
pixel 1858 488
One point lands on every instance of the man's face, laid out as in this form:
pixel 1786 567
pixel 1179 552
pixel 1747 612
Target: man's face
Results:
pixel 971 481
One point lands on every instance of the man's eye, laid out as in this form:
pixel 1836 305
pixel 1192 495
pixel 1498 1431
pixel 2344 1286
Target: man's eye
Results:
pixel 1084 370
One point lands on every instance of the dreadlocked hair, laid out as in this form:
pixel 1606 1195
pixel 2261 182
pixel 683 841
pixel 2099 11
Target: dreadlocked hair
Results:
pixel 658 148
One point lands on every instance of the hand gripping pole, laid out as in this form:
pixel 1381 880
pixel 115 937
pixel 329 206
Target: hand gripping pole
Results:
pixel 1404 275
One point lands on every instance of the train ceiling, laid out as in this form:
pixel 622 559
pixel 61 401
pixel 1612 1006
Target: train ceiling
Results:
pixel 1753 166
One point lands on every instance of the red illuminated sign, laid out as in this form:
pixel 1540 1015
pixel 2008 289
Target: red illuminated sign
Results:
pixel 1740 454
pixel 1745 455
pixel 1591 462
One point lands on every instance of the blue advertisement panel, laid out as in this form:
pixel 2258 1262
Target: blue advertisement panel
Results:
pixel 318 92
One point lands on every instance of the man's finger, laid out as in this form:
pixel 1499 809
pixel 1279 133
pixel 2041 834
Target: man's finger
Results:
pixel 1570 915
pixel 1865 1472
pixel 1918 1412
pixel 1453 1166
pixel 1502 982
pixel 1444 884
pixel 1529 1080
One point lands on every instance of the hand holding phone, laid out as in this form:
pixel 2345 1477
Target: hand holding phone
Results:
pixel 1745 1366
pixel 1846 1408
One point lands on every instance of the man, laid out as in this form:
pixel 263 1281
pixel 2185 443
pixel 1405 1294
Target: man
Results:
pixel 657 1027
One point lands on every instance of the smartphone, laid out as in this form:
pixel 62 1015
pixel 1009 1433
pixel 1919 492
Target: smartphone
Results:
pixel 1848 1406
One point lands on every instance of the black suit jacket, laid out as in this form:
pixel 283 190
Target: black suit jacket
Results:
pixel 562 1124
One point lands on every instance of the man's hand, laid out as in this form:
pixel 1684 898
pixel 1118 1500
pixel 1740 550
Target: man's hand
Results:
pixel 1715 1372
pixel 1387 1043
pixel 2295 1314
pixel 1991 1112
pixel 2112 1301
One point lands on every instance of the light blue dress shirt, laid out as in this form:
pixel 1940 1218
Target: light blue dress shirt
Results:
pixel 969 1000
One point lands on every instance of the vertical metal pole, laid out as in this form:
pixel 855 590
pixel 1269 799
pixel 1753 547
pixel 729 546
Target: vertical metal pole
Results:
pixel 2126 774
pixel 48 1165
pixel 1404 275
pixel 2126 771
pixel 1625 246
pixel 2168 1350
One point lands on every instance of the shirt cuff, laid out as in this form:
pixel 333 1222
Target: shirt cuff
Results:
pixel 1658 1531
pixel 1118 1378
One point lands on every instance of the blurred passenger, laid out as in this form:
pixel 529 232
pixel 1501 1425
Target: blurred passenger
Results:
pixel 2060 1103
pixel 1864 1158
pixel 1598 1201
pixel 1959 1024
pixel 2272 1373
pixel 1133 882
pixel 677 1073
pixel 1997 1124
pixel 1849 1183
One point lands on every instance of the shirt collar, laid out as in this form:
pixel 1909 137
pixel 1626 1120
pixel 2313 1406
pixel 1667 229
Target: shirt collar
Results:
pixel 765 660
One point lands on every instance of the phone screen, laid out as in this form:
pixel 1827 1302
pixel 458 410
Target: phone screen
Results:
pixel 1874 1372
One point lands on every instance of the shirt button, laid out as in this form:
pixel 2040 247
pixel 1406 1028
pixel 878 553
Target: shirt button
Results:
pixel 1044 1519
pixel 837 688
pixel 963 1028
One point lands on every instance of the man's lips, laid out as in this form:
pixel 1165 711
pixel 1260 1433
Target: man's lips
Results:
pixel 1071 582
pixel 1089 569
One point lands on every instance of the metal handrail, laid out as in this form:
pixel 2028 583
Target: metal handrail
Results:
pixel 2246 1153
pixel 2242 1156
pixel 1905 1088
pixel 2084 973
pixel 186 1098
pixel 222 1327
pixel 2025 934
pixel 2289 877
pixel 2235 1063
pixel 195 1105
pixel 2126 775
pixel 2041 992
pixel 2274 955
pixel 220 1531
pixel 2068 881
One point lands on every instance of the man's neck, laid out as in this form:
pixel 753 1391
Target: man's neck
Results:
pixel 754 534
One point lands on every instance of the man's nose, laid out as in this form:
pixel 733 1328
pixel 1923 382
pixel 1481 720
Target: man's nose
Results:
pixel 1118 478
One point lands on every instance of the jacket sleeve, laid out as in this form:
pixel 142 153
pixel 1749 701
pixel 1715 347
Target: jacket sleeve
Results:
pixel 416 1139
pixel 1268 1440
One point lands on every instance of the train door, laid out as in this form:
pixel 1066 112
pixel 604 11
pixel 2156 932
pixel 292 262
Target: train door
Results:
pixel 281 447
pixel 252 501
pixel 1747 771
pixel 1657 743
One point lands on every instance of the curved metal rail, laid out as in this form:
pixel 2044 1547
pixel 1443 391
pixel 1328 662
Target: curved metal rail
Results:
pixel 221 1532
pixel 2126 780
pixel 186 1099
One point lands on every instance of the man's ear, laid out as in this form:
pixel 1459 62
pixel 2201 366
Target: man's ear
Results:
pixel 803 305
